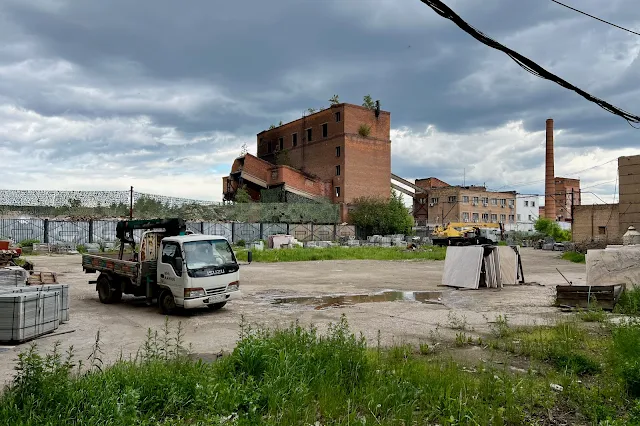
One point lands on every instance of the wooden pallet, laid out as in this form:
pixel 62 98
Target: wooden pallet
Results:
pixel 37 278
pixel 584 296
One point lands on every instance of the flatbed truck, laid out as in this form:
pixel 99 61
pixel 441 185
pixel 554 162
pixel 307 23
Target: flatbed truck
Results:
pixel 176 268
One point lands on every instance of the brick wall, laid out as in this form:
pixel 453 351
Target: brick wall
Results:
pixel 367 168
pixel 355 116
pixel 562 196
pixel 629 177
pixel 596 223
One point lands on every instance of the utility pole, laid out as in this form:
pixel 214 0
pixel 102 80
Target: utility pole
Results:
pixel 131 204
pixel 571 208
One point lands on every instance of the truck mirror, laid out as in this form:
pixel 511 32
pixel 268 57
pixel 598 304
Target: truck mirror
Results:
pixel 179 265
pixel 249 256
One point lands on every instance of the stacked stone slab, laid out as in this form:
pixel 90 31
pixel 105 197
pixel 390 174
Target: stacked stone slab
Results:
pixel 25 316
pixel 13 276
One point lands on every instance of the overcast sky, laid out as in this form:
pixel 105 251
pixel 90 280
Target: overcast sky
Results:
pixel 161 95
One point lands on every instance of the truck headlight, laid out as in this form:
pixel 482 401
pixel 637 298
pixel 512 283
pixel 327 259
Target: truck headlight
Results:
pixel 190 293
pixel 234 286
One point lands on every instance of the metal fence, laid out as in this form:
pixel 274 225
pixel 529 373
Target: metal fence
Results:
pixel 96 231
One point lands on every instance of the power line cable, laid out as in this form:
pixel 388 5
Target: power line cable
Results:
pixel 524 62
pixel 595 17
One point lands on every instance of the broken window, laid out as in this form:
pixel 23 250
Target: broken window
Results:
pixel 294 139
pixel 268 146
pixel 533 204
pixel 325 130
pixel 503 202
pixel 475 201
pixel 434 201
pixel 511 218
pixel 309 135
pixel 338 117
pixel 485 217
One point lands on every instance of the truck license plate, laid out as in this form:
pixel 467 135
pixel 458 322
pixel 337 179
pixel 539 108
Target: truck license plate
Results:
pixel 216 298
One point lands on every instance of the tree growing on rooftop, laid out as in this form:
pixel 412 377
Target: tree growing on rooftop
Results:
pixel 334 100
pixel 368 102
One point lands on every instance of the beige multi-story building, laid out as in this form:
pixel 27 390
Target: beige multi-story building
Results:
pixel 442 203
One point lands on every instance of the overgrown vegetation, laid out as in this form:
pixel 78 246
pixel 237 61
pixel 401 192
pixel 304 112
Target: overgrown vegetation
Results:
pixel 368 102
pixel 299 376
pixel 300 254
pixel 574 256
pixel 549 228
pixel 379 216
pixel 629 303
pixel 28 243
pixel 364 130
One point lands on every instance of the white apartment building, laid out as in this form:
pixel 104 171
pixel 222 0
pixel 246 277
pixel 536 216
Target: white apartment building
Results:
pixel 527 211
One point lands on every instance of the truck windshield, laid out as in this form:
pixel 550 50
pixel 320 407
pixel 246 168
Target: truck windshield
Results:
pixel 207 253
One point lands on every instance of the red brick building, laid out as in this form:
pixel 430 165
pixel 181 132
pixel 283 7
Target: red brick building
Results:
pixel 338 154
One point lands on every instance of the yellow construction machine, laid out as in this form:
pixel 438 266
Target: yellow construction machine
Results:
pixel 466 234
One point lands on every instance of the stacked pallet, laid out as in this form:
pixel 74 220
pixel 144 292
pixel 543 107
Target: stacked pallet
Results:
pixel 42 278
pixel 25 316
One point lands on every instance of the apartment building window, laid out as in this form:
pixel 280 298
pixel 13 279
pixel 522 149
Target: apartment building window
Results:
pixel 475 217
pixel 434 201
pixel 337 151
pixel 281 143
pixel 526 204
pixel 294 139
pixel 422 200
pixel 465 199
pixel 485 217
pixel 530 218
pixel 338 170
pixel 337 191
pixel 309 135
pixel 453 199
pixel 511 218
pixel 465 217
pixel 485 200
pixel 503 218
pixel 325 130
pixel 503 202
pixel 533 204
pixel 511 202
pixel 519 217
pixel 338 117
pixel 268 147
pixel 494 201
pixel 475 201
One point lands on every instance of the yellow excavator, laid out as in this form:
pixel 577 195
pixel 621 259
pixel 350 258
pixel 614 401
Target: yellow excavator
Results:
pixel 466 234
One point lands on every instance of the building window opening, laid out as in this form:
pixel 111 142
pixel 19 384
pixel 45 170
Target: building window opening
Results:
pixel 602 230
pixel 337 191
pixel 325 130
pixel 338 117
pixel 268 147
pixel 294 139
pixel 338 170
pixel 337 151
pixel 281 143
pixel 309 135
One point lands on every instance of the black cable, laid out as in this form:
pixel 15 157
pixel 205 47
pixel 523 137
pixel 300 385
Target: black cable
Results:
pixel 595 17
pixel 524 62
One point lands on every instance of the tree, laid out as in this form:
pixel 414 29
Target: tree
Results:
pixel 549 228
pixel 273 126
pixel 243 150
pixel 368 102
pixel 379 216
pixel 334 100
pixel 311 110
pixel 242 196
pixel 280 123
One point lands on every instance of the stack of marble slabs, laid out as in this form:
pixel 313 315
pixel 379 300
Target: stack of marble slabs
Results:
pixel 64 296
pixel 25 316
pixel 614 265
pixel 13 276
pixel 474 267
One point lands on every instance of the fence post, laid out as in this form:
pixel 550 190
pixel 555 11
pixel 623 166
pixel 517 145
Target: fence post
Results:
pixel 335 232
pixel 261 231
pixel 233 232
pixel 90 231
pixel 45 227
pixel 313 237
pixel 288 230
pixel 202 227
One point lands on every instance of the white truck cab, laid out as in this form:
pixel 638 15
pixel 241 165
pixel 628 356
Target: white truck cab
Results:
pixel 197 271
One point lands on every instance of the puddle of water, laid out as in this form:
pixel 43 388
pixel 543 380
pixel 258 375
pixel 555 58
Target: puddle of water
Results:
pixel 336 300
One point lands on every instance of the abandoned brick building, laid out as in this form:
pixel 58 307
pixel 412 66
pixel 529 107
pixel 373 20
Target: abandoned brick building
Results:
pixel 337 154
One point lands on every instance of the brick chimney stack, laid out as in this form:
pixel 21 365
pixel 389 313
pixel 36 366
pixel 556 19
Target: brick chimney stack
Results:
pixel 549 178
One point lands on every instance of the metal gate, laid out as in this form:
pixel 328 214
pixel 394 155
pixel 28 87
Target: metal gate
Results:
pixel 22 229
pixel 104 231
pixel 301 232
pixel 65 232
pixel 222 229
pixel 249 232
pixel 273 229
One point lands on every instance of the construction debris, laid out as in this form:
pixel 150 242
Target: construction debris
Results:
pixel 586 296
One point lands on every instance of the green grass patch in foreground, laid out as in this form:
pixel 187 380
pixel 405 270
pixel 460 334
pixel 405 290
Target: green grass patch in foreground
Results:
pixel 300 254
pixel 574 256
pixel 298 376
pixel 629 303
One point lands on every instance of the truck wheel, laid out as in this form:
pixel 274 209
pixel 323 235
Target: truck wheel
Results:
pixel 166 302
pixel 216 306
pixel 108 292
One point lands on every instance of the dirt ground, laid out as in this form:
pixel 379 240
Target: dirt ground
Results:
pixel 123 327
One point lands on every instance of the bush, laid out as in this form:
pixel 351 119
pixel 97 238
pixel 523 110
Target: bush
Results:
pixel 241 243
pixel 28 243
pixel 551 229
pixel 573 256
pixel 629 303
pixel 380 216
pixel 81 248
pixel 364 130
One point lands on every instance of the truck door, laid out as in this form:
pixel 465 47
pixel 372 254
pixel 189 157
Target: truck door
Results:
pixel 169 275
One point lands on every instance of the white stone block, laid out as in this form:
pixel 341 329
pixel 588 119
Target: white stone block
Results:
pixel 614 265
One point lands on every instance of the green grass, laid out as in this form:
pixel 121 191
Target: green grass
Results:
pixel 629 303
pixel 574 256
pixel 299 376
pixel 344 253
